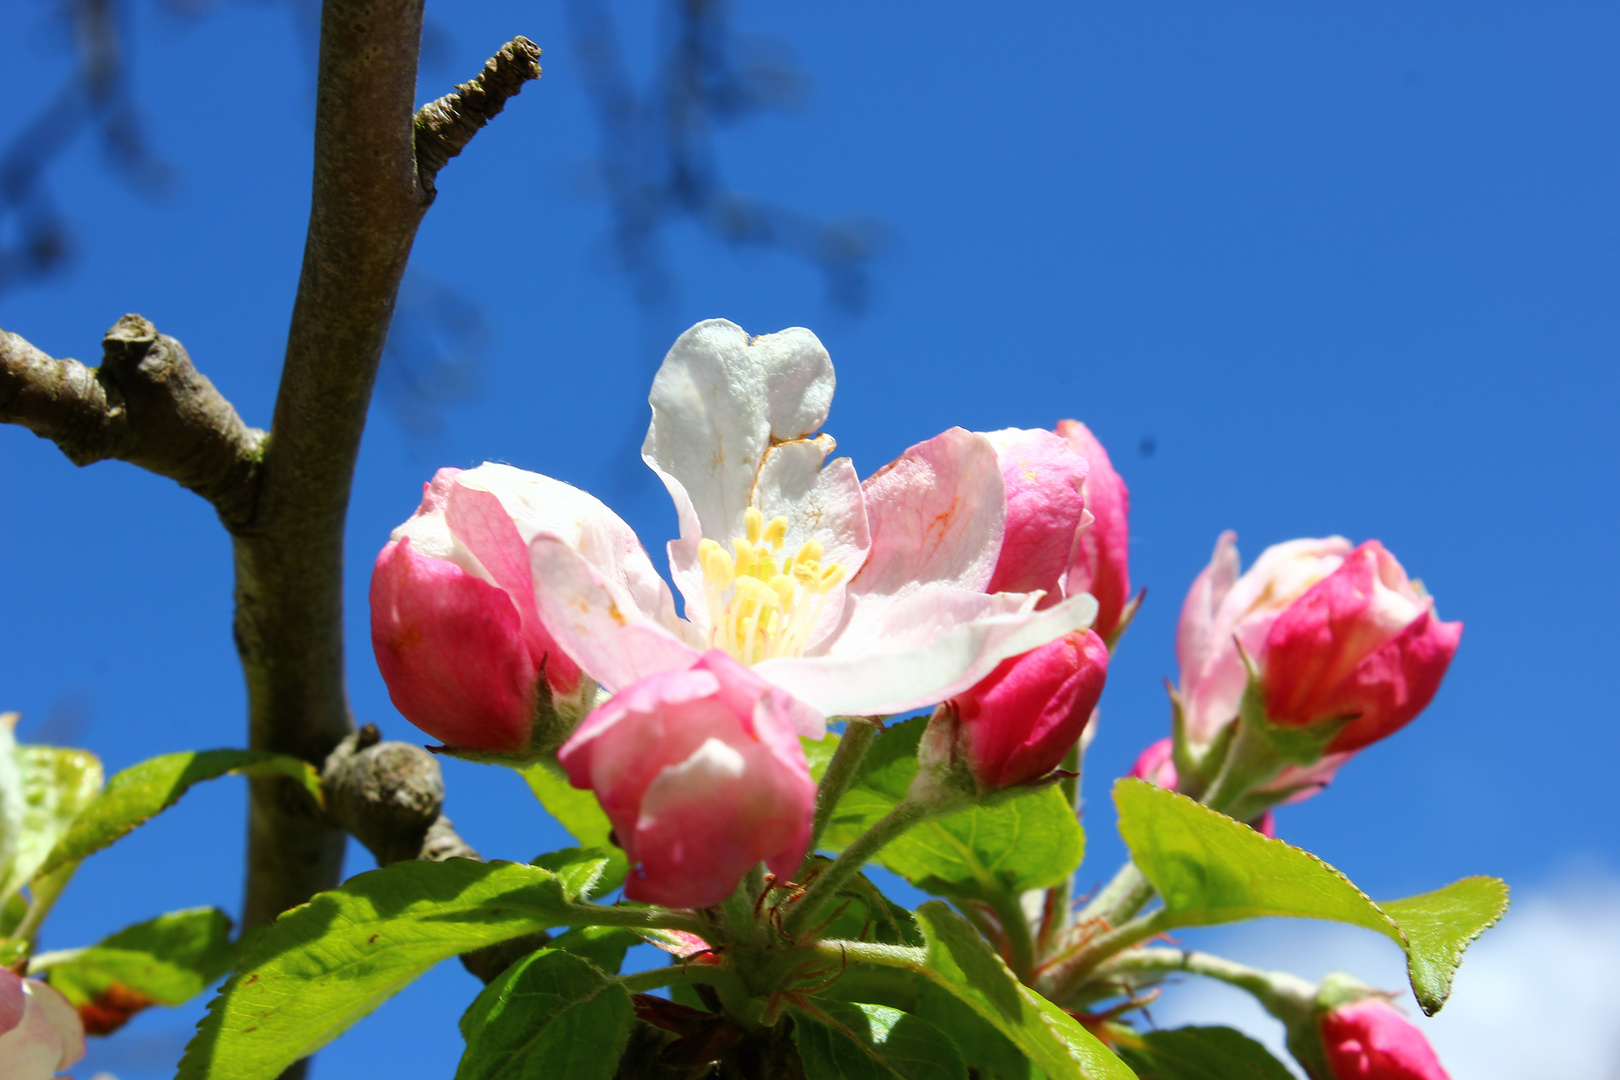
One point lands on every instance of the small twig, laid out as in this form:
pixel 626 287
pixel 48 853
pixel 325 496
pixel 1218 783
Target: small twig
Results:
pixel 146 404
pixel 445 127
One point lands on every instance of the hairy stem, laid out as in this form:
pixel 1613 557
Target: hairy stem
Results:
pixel 906 813
pixel 1287 997
pixel 840 774
pixel 1064 978
pixel 1122 898
pixel 1015 925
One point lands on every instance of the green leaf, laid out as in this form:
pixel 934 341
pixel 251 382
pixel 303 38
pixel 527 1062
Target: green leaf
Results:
pixel 1210 869
pixel 550 1015
pixel 960 961
pixel 585 872
pixel 1203 1053
pixel 603 946
pixel 861 912
pixel 56 785
pixel 165 961
pixel 142 791
pixel 577 811
pixel 1028 841
pixel 319 968
pixel 840 1041
pixel 1439 925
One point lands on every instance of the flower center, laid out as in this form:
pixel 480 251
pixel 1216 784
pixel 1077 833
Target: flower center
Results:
pixel 763 604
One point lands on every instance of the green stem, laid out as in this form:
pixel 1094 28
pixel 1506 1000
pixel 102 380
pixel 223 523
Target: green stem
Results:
pixel 652 979
pixel 1122 898
pixel 738 908
pixel 907 812
pixel 865 952
pixel 1286 997
pixel 1015 924
pixel 1064 978
pixel 644 918
pixel 1060 897
pixel 42 896
pixel 840 774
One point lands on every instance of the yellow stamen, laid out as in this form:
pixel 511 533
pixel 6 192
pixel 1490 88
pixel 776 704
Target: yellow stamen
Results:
pixel 762 606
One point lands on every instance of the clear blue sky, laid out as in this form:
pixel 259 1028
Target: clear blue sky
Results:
pixel 1348 269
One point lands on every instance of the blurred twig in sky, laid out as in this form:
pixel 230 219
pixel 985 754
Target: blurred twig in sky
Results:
pixel 95 96
pixel 657 162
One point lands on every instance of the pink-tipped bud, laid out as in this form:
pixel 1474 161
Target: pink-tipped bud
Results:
pixel 40 1033
pixel 1370 1040
pixel 1157 766
pixel 1018 722
pixel 456 631
pixel 1363 643
pixel 1046 510
pixel 702 776
pixel 1102 558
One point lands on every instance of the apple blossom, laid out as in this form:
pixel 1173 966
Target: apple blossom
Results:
pixel 857 598
pixel 1364 644
pixel 40 1033
pixel 1018 722
pixel 1370 1040
pixel 1101 564
pixel 702 775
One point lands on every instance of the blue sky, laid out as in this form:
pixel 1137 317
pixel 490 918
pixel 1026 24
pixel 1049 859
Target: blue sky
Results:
pixel 1343 269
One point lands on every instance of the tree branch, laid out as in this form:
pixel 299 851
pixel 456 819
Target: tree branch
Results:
pixel 146 404
pixel 445 127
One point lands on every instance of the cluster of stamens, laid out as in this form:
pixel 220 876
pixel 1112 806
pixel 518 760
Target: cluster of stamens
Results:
pixel 764 604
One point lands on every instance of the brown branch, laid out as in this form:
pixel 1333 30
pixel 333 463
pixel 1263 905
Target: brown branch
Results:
pixel 445 127
pixel 146 404
pixel 390 797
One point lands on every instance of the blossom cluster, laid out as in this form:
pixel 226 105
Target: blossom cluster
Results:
pixel 984 575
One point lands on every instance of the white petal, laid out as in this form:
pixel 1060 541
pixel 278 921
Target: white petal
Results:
pixel 931 645
pixel 587 616
pixel 719 401
pixel 825 505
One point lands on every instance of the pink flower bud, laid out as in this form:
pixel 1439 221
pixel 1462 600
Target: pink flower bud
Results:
pixel 1362 643
pixel 454 624
pixel 40 1033
pixel 1370 1040
pixel 702 776
pixel 1101 563
pixel 1223 609
pixel 1018 722
pixel 1157 766
pixel 1045 511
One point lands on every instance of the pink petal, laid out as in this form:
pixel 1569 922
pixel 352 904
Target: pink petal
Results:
pixel 936 516
pixel 1370 1040
pixel 1102 556
pixel 451 650
pixel 594 622
pixel 1043 477
pixel 928 646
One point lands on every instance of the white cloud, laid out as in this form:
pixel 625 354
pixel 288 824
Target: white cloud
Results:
pixel 1537 998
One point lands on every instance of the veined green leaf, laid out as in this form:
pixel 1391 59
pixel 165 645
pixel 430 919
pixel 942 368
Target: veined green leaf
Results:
pixel 1029 841
pixel 577 811
pixel 960 961
pixel 841 1041
pixel 550 1015
pixel 1203 1053
pixel 164 961
pixel 585 872
pixel 142 791
pixel 55 786
pixel 308 977
pixel 1210 869
pixel 603 946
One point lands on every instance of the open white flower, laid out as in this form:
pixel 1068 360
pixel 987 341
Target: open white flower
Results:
pixel 859 599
